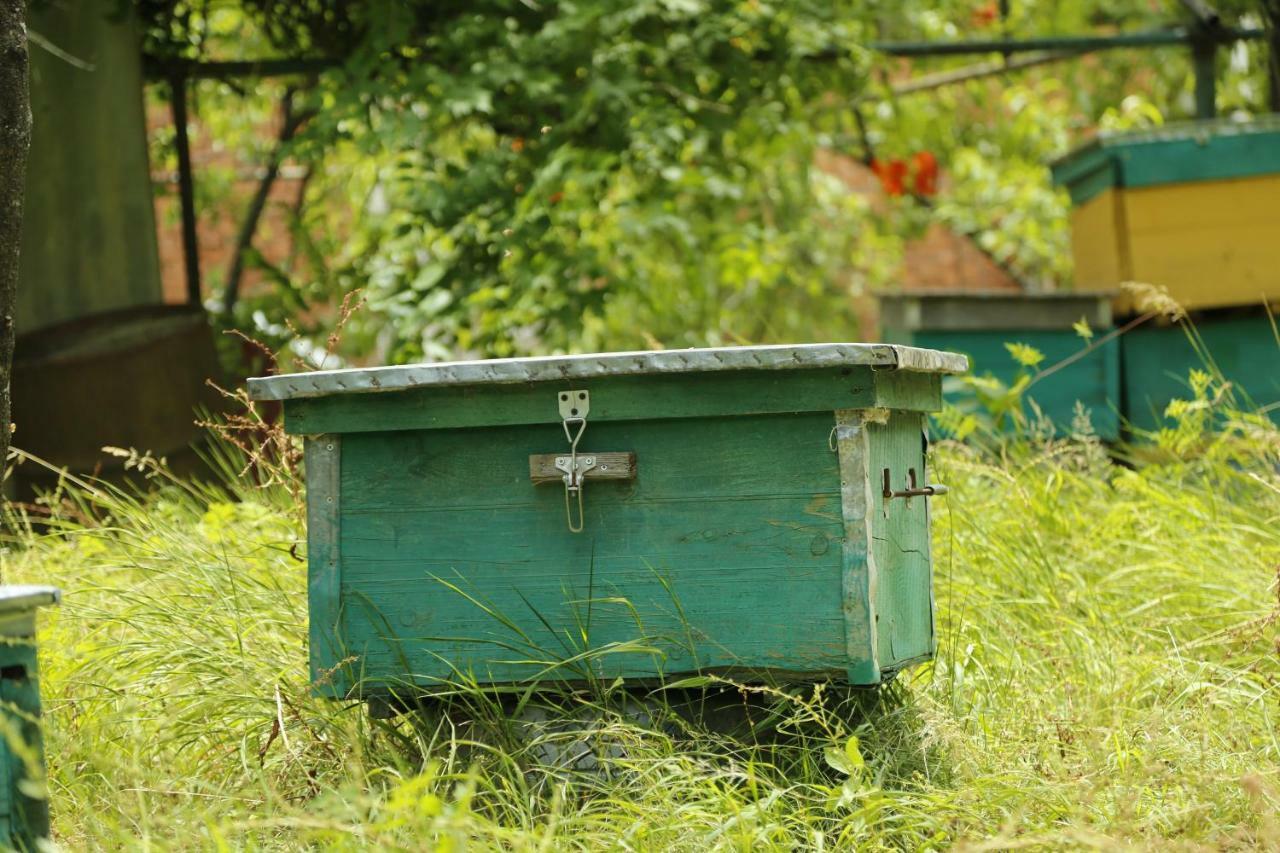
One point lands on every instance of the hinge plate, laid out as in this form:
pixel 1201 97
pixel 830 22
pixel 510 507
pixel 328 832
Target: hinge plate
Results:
pixel 574 404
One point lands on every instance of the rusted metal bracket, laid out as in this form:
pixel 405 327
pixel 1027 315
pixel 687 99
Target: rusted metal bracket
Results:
pixel 913 490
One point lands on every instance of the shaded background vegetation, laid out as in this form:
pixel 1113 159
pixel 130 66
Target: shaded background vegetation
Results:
pixel 510 178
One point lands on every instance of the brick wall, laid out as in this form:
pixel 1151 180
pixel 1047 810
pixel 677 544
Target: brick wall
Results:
pixel 217 226
pixel 940 259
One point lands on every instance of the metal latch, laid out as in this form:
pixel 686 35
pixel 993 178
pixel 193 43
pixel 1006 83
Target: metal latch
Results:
pixel 573 470
pixel 913 490
pixel 574 406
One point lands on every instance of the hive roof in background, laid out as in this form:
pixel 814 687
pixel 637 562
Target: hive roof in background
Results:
pixel 1177 153
pixel 508 371
pixel 993 311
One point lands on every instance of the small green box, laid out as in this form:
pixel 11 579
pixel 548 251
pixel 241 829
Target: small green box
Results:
pixel 980 324
pixel 740 509
pixel 24 802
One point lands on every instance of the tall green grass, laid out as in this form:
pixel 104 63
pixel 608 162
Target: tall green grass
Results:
pixel 1107 676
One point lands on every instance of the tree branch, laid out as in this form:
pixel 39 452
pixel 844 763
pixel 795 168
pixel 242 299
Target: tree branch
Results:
pixel 291 122
pixel 1271 14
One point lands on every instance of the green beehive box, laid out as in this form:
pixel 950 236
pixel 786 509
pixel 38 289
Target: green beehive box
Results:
pixel 24 803
pixel 1243 345
pixel 981 324
pixel 759 510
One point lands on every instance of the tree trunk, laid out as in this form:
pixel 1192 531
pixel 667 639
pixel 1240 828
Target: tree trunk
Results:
pixel 15 139
pixel 1271 11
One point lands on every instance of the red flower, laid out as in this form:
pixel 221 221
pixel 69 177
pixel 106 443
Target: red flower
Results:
pixel 924 167
pixel 893 175
pixel 985 15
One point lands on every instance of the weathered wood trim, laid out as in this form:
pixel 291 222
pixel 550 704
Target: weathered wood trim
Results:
pixel 858 570
pixel 986 312
pixel 579 368
pixel 609 466
pixel 917 392
pixel 323 454
pixel 928 544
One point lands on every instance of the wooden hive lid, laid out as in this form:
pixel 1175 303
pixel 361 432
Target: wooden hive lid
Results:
pixel 510 371
pixel 992 310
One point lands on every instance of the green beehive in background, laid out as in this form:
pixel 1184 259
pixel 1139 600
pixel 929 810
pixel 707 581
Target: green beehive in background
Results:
pixel 93 336
pixel 24 802
pixel 637 515
pixel 980 325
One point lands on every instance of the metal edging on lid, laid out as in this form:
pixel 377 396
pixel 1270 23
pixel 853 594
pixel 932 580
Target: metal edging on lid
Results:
pixel 509 371
pixel 17 597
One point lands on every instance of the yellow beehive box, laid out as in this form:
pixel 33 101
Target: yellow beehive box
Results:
pixel 1194 207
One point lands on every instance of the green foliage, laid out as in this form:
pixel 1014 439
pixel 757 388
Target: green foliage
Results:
pixel 1025 355
pixel 511 177
pixel 1081 327
pixel 551 175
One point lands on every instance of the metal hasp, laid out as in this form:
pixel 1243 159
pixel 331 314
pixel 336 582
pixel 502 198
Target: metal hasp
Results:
pixel 24 799
pixel 574 406
pixel 572 470
pixel 913 489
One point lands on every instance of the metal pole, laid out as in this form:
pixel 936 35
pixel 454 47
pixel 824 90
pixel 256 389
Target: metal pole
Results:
pixel 1150 38
pixel 186 187
pixel 156 68
pixel 1203 53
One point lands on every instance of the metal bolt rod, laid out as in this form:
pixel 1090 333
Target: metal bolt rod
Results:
pixel 1148 38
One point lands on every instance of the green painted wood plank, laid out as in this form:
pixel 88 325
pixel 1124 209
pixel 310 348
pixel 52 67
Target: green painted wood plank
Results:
pixel 917 392
pixel 1159 359
pixel 726 545
pixel 900 544
pixel 20 709
pixel 1089 178
pixel 616 398
pixel 323 456
pixel 437 469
